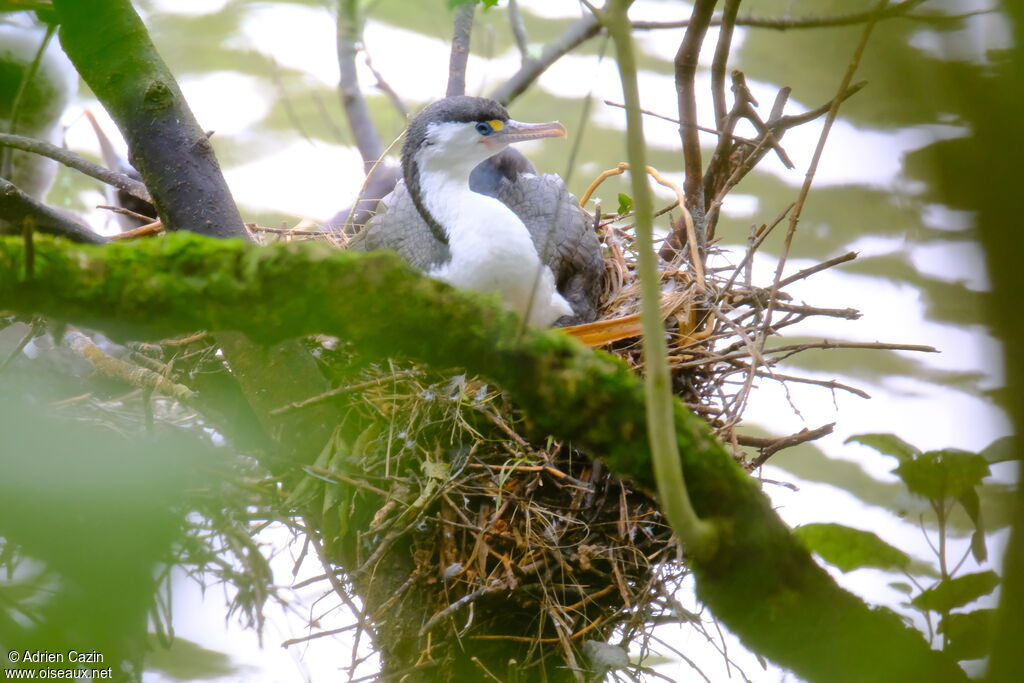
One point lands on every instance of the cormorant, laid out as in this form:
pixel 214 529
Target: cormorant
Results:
pixel 474 214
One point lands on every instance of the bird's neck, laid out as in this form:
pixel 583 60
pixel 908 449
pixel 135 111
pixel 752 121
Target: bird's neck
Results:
pixel 460 212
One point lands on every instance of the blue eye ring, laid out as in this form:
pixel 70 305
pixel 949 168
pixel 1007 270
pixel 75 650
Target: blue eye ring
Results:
pixel 484 128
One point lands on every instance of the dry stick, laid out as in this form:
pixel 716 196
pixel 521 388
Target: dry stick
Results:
pixel 515 20
pixel 828 384
pixel 772 446
pixel 340 391
pixel 128 373
pixel 703 129
pixel 125 212
pixel 794 217
pixel 34 329
pixel 578 32
pixel 72 160
pixel 460 50
pixel 17 207
pixel 685 74
pixel 781 24
pixel 718 65
pixel 357 113
pixel 385 87
pixel 807 272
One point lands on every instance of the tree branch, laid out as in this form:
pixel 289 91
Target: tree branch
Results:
pixel 350 32
pixel 16 206
pixel 460 49
pixel 761 582
pixel 685 72
pixel 166 145
pixel 81 164
pixel 579 32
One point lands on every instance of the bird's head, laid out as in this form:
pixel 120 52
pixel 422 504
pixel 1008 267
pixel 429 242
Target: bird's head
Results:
pixel 455 134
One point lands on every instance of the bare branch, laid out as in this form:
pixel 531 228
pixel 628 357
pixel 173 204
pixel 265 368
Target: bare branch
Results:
pixel 350 31
pixel 770 447
pixel 72 160
pixel 515 19
pixel 460 49
pixel 685 72
pixel 16 206
pixel 897 10
pixel 718 66
pixel 578 33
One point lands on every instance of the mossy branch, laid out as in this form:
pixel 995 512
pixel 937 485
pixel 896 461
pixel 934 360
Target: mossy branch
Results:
pixel 760 581
pixel 698 536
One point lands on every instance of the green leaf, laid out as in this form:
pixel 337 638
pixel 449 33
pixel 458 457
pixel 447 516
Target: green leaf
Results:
pixel 886 444
pixel 488 4
pixel 902 587
pixel 953 593
pixel 968 634
pixel 972 505
pixel 849 549
pixel 625 203
pixel 1001 450
pixel 948 473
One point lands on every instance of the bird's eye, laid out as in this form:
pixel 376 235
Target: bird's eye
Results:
pixel 484 128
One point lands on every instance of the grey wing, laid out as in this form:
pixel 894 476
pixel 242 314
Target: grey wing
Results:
pixel 564 237
pixel 397 225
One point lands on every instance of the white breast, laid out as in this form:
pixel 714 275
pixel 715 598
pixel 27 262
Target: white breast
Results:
pixel 492 251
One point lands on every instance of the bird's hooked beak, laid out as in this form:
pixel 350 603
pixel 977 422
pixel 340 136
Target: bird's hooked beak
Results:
pixel 517 131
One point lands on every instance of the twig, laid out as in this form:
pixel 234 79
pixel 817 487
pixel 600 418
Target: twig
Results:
pixel 72 160
pixel 578 33
pixel 794 216
pixel 515 20
pixel 33 331
pixel 340 391
pixel 125 212
pixel 385 87
pixel 147 230
pixel 16 207
pixel 128 373
pixel 319 634
pixel 685 73
pixel 718 65
pixel 770 447
pixel 357 113
pixel 459 56
pixel 824 265
pixel 703 129
pixel 782 24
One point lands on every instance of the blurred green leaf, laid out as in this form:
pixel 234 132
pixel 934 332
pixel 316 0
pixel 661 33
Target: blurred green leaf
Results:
pixel 185 660
pixel 972 506
pixel 1001 450
pixel 968 634
pixel 949 473
pixel 625 203
pixel 886 444
pixel 849 549
pixel 953 593
pixel 902 587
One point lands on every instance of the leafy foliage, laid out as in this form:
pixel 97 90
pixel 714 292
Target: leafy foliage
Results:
pixel 953 593
pixel 849 548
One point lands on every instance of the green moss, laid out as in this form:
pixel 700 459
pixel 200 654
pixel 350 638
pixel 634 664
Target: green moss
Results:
pixel 761 581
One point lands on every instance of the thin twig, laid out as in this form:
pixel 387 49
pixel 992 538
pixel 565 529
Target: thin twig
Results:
pixel 72 160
